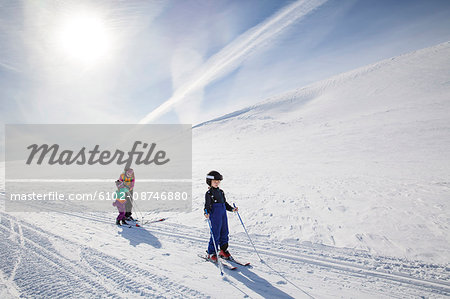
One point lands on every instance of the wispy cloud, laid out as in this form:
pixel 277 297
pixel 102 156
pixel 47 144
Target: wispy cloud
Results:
pixel 9 67
pixel 230 57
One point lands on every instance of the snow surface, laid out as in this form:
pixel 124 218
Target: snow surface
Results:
pixel 360 160
pixel 343 186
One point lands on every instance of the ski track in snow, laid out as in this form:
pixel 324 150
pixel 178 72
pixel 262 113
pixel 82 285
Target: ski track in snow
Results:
pixel 10 289
pixel 349 264
pixel 37 269
pixel 45 273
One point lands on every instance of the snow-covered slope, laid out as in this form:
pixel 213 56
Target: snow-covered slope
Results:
pixel 360 160
pixel 357 161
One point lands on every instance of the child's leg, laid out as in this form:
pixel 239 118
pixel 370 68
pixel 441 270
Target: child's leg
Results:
pixel 121 216
pixel 223 240
pixel 216 224
pixel 129 204
pixel 121 208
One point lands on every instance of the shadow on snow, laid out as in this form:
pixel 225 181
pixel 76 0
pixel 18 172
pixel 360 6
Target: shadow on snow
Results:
pixel 136 236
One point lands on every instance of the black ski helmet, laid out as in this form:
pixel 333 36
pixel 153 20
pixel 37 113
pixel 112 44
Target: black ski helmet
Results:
pixel 213 175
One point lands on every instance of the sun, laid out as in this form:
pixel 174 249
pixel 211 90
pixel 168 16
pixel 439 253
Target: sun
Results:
pixel 84 38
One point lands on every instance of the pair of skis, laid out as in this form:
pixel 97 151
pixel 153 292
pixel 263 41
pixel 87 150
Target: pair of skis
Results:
pixel 226 263
pixel 153 221
pixel 136 224
pixel 129 225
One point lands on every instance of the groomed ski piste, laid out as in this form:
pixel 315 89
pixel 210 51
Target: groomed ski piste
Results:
pixel 343 186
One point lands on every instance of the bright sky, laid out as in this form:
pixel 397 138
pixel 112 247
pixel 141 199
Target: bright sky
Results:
pixel 190 61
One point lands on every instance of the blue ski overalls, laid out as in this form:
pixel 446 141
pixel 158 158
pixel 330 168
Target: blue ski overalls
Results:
pixel 218 217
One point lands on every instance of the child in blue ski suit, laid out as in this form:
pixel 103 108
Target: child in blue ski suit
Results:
pixel 216 208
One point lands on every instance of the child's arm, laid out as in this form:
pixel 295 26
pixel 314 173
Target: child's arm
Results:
pixel 132 183
pixel 208 203
pixel 227 205
pixel 115 200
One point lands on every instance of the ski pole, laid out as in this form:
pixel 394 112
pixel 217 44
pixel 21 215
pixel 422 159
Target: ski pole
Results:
pixel 135 207
pixel 261 260
pixel 214 242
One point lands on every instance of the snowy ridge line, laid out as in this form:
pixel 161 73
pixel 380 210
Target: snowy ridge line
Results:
pixel 315 89
pixel 97 260
pixel 303 95
pixel 440 286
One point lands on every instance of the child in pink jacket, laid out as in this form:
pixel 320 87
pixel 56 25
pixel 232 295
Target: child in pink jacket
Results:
pixel 127 177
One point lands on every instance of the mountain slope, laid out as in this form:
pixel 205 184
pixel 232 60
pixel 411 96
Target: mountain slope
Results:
pixel 359 160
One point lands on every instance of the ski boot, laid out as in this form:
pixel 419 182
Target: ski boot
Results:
pixel 118 222
pixel 224 254
pixel 124 222
pixel 212 257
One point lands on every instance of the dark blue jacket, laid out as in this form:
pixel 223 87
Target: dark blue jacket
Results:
pixel 215 195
